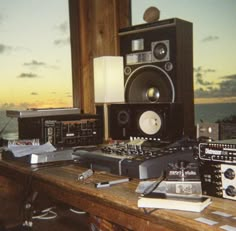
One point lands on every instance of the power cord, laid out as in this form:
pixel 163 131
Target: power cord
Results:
pixel 77 211
pixel 46 214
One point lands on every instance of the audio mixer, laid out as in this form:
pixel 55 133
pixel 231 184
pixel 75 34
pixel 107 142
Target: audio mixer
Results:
pixel 134 159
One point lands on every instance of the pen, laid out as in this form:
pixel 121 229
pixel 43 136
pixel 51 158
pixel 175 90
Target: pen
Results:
pixel 110 183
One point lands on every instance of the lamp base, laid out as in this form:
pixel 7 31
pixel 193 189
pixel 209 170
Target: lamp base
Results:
pixel 102 111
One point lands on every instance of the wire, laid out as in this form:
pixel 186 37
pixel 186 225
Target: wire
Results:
pixel 46 214
pixel 77 211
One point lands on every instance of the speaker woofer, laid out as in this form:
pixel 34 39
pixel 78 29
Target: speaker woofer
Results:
pixel 149 84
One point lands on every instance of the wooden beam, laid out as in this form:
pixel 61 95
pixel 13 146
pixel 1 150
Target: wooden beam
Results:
pixel 94 29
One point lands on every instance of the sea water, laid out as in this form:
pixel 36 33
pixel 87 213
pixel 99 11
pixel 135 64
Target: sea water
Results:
pixel 203 113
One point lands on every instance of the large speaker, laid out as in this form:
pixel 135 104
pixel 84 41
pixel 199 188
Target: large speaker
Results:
pixel 158 65
pixel 157 121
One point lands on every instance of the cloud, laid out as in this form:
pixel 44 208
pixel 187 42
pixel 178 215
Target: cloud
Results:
pixel 34 93
pixel 62 42
pixel 200 74
pixel 28 75
pixel 63 27
pixel 68 94
pixel 210 38
pixel 225 88
pixel 4 48
pixel 35 63
pixel 7 105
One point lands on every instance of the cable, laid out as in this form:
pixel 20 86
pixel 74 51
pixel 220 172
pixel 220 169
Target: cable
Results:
pixel 46 214
pixel 77 211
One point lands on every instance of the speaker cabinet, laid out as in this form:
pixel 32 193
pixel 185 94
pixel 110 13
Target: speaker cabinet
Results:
pixel 158 65
pixel 157 121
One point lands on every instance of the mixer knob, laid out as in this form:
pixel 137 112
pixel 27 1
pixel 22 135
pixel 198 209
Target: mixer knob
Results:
pixel 231 191
pixel 229 174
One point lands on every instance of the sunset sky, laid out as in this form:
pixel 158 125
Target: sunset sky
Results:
pixel 214 42
pixel 35 65
pixel 35 53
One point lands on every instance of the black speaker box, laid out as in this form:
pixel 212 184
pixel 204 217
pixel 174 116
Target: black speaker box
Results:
pixel 158 65
pixel 157 121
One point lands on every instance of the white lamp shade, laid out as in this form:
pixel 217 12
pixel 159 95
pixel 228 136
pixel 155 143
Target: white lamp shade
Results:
pixel 108 79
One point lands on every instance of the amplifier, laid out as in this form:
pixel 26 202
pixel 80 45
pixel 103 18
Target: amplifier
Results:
pixel 218 180
pixel 84 131
pixel 217 167
pixel 223 151
pixel 62 127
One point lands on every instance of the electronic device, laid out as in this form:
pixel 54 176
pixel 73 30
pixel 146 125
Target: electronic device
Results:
pixel 84 131
pixel 217 166
pixel 40 158
pixel 158 65
pixel 133 159
pixel 217 131
pixel 29 113
pixel 221 151
pixel 227 131
pixel 60 155
pixel 156 121
pixel 218 179
pixel 62 127
pixel 183 178
pixel 208 130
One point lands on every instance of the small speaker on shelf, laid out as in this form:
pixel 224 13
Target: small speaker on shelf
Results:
pixel 157 121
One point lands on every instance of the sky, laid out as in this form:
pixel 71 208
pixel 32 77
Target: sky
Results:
pixel 35 61
pixel 214 43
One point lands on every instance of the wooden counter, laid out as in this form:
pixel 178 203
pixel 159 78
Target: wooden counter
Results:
pixel 117 204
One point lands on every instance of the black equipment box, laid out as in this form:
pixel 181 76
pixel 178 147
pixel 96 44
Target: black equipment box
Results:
pixel 61 127
pixel 217 166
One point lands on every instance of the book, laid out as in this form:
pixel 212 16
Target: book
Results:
pixel 161 201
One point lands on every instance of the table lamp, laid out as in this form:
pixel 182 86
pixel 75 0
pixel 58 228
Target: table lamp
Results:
pixel 108 84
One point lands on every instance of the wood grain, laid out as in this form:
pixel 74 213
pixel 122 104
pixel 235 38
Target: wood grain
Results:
pixel 117 204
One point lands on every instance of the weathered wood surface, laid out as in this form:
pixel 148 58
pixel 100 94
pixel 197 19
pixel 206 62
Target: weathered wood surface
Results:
pixel 118 203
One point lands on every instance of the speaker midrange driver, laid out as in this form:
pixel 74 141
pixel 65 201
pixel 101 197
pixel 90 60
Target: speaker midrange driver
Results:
pixel 160 51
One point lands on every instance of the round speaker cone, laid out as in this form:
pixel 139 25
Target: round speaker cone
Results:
pixel 123 117
pixel 160 51
pixel 149 83
pixel 150 122
pixel 153 94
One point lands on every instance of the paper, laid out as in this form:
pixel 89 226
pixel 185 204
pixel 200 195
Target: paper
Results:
pixel 24 150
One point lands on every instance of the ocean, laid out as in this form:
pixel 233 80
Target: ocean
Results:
pixel 203 113
pixel 212 112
